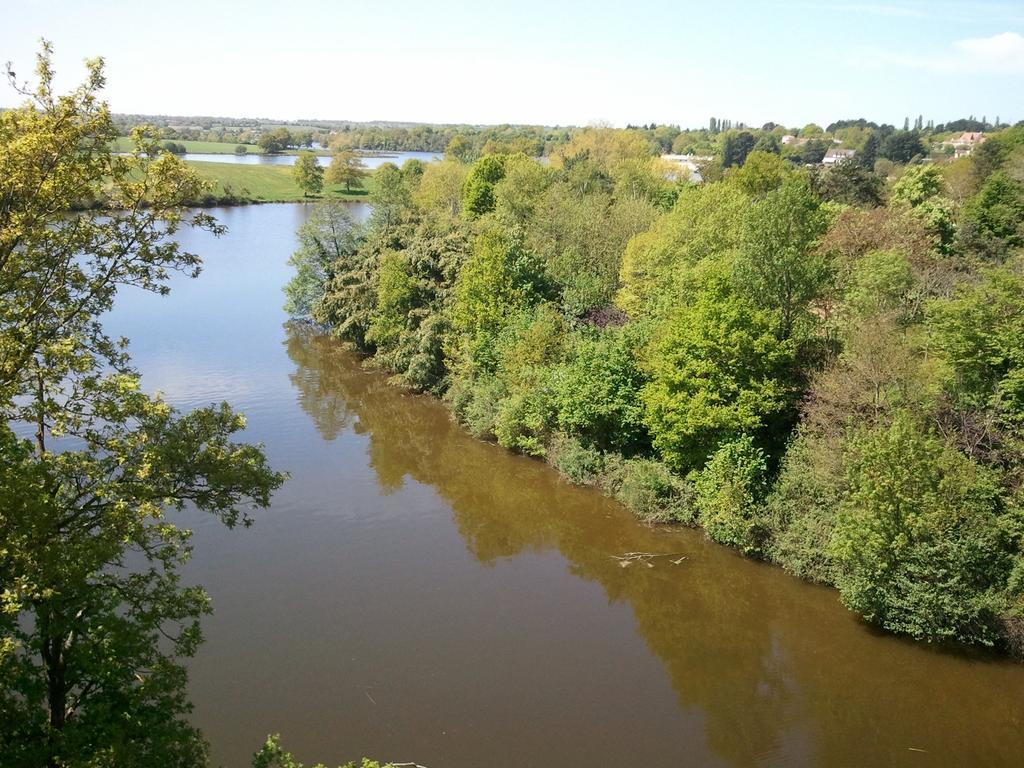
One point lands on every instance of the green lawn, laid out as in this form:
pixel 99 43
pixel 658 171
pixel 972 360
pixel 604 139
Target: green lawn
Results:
pixel 124 144
pixel 238 183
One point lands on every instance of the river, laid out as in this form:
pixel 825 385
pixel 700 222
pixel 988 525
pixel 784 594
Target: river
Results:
pixel 417 595
pixel 370 161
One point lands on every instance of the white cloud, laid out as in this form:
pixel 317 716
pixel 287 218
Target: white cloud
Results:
pixel 1001 54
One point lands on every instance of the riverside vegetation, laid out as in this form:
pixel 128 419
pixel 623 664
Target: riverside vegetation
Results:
pixel 815 377
pixel 823 368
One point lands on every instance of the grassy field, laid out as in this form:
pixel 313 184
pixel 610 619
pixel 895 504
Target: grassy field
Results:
pixel 124 144
pixel 237 183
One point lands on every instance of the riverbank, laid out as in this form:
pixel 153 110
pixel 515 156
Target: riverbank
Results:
pixel 125 144
pixel 239 184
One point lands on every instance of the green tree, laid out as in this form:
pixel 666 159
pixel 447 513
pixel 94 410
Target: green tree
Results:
pixel 980 333
pixel 850 183
pixel 736 147
pixel 500 277
pixel 440 189
pixel 922 538
pixel 729 495
pixel 760 174
pixel 707 220
pixel 478 191
pixel 326 240
pixel 391 196
pixel 459 149
pixel 718 370
pixel 768 142
pixel 308 174
pixel 777 265
pixel 91 650
pixel 920 190
pixel 596 392
pixel 995 216
pixel 869 152
pixel 901 147
pixel 275 140
pixel 346 168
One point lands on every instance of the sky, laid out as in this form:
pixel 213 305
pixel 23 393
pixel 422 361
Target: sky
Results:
pixel 536 61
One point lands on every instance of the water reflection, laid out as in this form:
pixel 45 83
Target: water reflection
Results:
pixel 765 670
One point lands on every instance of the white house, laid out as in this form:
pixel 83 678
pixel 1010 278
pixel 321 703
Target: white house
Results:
pixel 834 156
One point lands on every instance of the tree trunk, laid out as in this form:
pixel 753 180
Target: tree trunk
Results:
pixel 56 695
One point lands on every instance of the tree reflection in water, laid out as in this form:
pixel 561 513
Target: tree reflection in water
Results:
pixel 778 671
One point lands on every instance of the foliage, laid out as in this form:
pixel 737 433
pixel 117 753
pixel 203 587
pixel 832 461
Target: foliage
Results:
pixel 776 265
pixel 729 494
pixel 995 216
pixel 346 168
pixel 440 189
pixel 772 325
pixel 596 392
pixel 718 370
pixel 275 140
pixel 651 490
pixel 478 190
pixel 901 146
pixel 736 147
pixel 800 511
pixel 980 334
pixel 881 282
pixel 760 174
pixel 576 462
pixel 328 237
pixel 499 279
pixel 919 190
pixel 706 220
pixel 273 755
pixel 308 174
pixel 921 538
pixel 91 650
pixel 850 183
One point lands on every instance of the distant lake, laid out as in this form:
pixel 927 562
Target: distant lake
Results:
pixel 371 161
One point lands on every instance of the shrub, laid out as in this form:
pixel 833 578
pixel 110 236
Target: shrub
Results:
pixel 651 490
pixel 922 538
pixel 597 393
pixel 576 462
pixel 521 421
pixel 481 402
pixel 800 512
pixel 729 491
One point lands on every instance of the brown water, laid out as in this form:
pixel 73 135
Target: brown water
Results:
pixel 415 594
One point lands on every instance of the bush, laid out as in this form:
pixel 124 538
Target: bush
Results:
pixel 597 393
pixel 801 509
pixel 924 544
pixel 521 421
pixel 480 410
pixel 650 489
pixel 576 462
pixel 729 491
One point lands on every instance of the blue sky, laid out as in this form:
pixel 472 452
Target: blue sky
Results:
pixel 530 61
